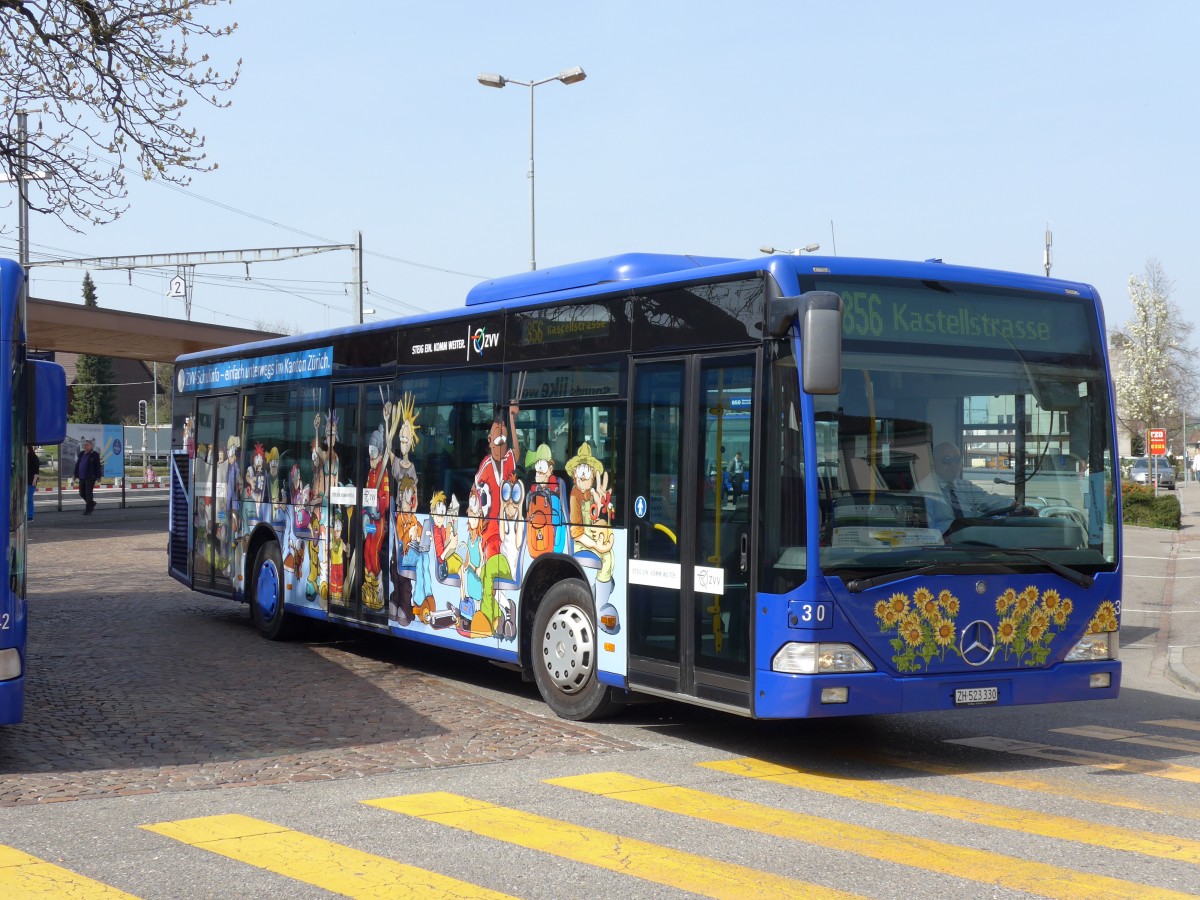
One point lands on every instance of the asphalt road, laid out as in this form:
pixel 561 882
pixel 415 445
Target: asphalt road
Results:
pixel 170 752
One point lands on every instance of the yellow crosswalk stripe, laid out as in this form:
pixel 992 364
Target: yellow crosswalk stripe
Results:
pixel 1110 761
pixel 1087 795
pixel 314 861
pixel 992 815
pixel 933 856
pixel 1185 724
pixel 659 865
pixel 22 876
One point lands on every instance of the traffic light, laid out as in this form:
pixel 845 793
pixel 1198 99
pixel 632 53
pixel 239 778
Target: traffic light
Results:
pixel 141 412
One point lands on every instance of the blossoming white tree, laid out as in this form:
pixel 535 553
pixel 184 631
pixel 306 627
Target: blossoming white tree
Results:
pixel 1153 372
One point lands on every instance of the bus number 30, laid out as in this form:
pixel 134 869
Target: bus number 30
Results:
pixel 861 315
pixel 807 614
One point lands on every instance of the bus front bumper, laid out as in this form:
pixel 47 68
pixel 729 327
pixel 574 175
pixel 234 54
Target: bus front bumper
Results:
pixel 787 696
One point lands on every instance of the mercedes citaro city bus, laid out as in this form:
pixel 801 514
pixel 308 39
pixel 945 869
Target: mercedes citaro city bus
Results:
pixel 547 478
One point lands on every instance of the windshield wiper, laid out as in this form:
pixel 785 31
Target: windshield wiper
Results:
pixel 942 567
pixel 947 567
pixel 1082 579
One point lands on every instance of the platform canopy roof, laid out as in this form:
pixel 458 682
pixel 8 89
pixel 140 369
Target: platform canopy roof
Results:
pixel 72 327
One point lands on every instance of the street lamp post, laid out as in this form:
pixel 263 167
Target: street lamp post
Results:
pixel 22 176
pixel 567 76
pixel 807 248
pixel 22 187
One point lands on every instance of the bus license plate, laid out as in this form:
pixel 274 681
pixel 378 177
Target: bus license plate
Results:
pixel 976 696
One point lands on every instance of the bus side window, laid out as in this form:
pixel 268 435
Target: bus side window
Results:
pixel 784 556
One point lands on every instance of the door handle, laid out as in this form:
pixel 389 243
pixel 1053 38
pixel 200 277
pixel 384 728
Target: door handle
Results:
pixel 744 553
pixel 637 541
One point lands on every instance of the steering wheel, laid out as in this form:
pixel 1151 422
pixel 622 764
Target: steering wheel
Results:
pixel 1011 510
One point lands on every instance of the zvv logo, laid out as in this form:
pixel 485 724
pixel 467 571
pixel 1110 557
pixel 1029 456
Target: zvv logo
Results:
pixel 481 340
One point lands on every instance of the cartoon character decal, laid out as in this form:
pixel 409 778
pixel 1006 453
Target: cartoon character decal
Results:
pixel 404 427
pixel 544 529
pixel 444 518
pixel 496 468
pixel 231 541
pixel 255 487
pixel 375 515
pixel 413 595
pixel 296 532
pixel 452 571
pixel 337 561
pixel 277 492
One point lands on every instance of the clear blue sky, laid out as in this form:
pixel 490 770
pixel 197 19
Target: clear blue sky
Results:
pixel 947 129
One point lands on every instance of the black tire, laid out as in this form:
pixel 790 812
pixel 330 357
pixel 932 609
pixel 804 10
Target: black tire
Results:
pixel 564 649
pixel 265 594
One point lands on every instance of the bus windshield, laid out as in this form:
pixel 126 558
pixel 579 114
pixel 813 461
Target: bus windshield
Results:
pixel 970 426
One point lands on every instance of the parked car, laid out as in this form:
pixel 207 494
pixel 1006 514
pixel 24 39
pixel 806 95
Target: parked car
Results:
pixel 1143 473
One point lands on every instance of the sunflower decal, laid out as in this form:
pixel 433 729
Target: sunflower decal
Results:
pixel 1105 619
pixel 924 626
pixel 1029 622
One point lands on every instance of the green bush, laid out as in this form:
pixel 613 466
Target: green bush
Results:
pixel 1139 506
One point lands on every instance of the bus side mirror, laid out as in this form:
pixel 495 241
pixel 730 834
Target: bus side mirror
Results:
pixel 47 402
pixel 820 336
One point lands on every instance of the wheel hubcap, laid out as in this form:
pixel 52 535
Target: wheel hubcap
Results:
pixel 568 649
pixel 266 590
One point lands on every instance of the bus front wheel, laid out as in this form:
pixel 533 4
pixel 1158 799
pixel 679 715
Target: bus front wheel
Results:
pixel 266 595
pixel 564 654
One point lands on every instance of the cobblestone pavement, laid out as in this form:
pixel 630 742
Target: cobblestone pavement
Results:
pixel 137 685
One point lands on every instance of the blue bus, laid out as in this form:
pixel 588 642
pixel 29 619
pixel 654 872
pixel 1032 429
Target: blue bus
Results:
pixel 925 513
pixel 37 394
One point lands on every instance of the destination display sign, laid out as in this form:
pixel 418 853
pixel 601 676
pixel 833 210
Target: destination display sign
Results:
pixel 313 363
pixel 897 313
pixel 572 329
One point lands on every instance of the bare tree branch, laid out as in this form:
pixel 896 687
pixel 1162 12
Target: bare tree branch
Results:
pixel 105 86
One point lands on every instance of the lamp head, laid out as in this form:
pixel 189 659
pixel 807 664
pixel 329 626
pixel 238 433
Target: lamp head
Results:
pixel 487 79
pixel 571 76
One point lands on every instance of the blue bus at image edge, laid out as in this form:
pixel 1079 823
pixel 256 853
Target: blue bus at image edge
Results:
pixel 925 513
pixel 37 398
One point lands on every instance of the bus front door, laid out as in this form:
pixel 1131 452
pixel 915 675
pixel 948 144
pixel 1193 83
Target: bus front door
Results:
pixel 356 533
pixel 691 557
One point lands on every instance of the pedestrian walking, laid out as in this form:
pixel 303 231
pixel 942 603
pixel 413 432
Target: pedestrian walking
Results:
pixel 87 473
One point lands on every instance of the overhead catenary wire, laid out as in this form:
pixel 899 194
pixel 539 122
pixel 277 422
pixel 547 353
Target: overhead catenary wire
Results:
pixel 389 303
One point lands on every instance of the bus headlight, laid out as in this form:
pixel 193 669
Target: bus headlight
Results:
pixel 1103 645
pixel 819 659
pixel 10 664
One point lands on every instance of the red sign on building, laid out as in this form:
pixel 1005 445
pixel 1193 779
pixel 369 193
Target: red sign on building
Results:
pixel 1158 441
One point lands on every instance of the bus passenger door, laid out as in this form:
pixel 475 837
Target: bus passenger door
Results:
pixel 216 500
pixel 356 533
pixel 690 542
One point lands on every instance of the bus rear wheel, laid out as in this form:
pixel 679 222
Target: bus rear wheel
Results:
pixel 267 610
pixel 564 654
